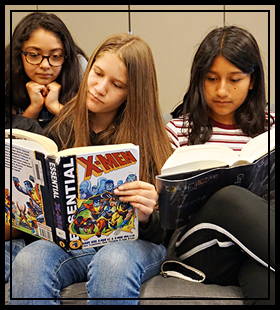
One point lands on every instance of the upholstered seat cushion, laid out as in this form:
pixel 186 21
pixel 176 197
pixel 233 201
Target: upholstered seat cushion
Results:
pixel 164 291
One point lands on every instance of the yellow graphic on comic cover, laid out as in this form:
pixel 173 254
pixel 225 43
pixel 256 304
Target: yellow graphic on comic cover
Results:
pixel 101 215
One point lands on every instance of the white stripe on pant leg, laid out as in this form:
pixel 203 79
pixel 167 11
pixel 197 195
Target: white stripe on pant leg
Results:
pixel 204 246
pixel 223 231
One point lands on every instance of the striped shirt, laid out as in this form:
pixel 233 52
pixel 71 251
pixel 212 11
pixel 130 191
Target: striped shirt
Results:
pixel 227 135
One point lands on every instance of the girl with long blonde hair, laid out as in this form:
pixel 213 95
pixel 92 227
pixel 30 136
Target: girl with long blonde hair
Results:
pixel 137 120
pixel 117 103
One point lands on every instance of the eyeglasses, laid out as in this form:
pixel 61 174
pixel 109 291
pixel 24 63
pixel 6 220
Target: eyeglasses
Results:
pixel 54 60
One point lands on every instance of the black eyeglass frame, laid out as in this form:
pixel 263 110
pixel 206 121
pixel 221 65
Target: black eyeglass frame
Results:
pixel 43 57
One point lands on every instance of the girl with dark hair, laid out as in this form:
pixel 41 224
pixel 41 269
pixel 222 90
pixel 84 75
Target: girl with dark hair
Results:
pixel 41 76
pixel 45 72
pixel 226 89
pixel 117 98
pixel 229 238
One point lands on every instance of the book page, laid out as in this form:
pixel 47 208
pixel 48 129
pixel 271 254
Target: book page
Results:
pixel 258 146
pixel 194 157
pixel 49 145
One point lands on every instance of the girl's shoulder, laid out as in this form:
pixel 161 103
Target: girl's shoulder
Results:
pixel 177 130
pixel 179 122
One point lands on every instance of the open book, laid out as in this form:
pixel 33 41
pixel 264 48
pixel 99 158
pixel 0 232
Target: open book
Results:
pixel 205 156
pixel 192 174
pixel 68 197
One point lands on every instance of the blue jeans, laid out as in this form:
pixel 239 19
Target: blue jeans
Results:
pixel 42 269
pixel 16 245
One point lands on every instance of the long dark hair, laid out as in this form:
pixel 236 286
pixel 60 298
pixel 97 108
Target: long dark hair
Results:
pixel 240 48
pixel 69 76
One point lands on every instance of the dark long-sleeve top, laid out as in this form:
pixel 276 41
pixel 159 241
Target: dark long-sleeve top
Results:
pixel 152 232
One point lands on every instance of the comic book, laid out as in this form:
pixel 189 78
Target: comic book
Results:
pixel 192 174
pixel 67 197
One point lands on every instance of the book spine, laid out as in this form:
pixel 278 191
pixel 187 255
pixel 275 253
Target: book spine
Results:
pixel 68 191
pixel 41 176
pixel 57 196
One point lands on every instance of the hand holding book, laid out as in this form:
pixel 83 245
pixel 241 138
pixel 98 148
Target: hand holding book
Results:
pixel 140 195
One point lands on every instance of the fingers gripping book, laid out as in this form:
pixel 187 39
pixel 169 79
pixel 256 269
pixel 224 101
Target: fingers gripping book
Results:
pixel 67 197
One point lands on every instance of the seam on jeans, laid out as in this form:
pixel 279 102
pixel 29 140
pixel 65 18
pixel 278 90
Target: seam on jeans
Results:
pixel 68 259
pixel 150 266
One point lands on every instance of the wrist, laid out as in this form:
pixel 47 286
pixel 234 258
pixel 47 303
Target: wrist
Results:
pixel 32 111
pixel 55 108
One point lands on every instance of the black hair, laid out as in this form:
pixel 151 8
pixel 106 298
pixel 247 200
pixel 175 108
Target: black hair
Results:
pixel 69 75
pixel 240 48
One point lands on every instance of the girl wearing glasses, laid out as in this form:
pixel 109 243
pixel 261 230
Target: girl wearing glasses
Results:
pixel 45 67
pixel 117 98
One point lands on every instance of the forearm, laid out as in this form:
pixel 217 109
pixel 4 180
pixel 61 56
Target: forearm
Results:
pixel 32 112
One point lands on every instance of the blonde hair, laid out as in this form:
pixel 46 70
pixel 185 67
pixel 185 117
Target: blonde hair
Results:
pixel 138 119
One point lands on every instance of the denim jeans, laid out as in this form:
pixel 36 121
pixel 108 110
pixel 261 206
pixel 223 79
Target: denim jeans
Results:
pixel 16 245
pixel 42 269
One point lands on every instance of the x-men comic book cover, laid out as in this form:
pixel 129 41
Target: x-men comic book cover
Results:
pixel 92 214
pixel 70 200
pixel 25 187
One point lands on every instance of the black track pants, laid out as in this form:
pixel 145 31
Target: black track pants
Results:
pixel 232 240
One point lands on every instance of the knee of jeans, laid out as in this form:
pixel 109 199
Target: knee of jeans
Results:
pixel 30 260
pixel 113 259
pixel 114 255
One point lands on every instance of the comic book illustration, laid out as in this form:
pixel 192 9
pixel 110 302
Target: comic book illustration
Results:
pixel 102 213
pixel 68 198
pixel 95 214
pixel 24 209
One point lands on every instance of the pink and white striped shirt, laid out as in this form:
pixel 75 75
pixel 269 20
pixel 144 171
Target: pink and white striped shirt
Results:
pixel 227 135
